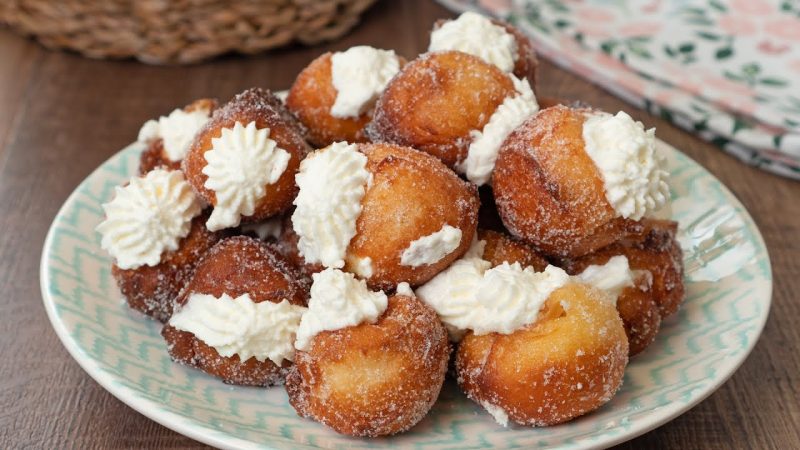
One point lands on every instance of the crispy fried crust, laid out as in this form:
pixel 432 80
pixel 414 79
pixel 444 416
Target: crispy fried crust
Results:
pixel 412 195
pixel 548 190
pixel 568 363
pixel 310 99
pixel 152 289
pixel 287 246
pixel 639 312
pixel 373 379
pixel 526 62
pixel 501 248
pixel 267 111
pixel 653 248
pixel 153 156
pixel 236 266
pixel 436 100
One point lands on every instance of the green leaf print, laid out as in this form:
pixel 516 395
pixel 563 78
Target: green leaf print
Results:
pixel 724 53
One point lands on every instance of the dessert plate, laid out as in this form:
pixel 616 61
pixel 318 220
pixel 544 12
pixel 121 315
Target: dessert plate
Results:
pixel 728 283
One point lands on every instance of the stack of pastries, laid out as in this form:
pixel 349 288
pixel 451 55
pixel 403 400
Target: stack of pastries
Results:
pixel 392 222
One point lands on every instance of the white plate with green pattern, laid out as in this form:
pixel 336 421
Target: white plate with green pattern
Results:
pixel 728 281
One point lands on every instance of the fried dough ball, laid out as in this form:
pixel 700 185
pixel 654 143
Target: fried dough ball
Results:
pixel 154 156
pixel 549 191
pixel 311 98
pixel 639 312
pixel 412 195
pixel 436 100
pixel 569 362
pixel 267 111
pixel 152 289
pixel 287 245
pixel 236 266
pixel 652 248
pixel 373 379
pixel 501 248
pixel 525 63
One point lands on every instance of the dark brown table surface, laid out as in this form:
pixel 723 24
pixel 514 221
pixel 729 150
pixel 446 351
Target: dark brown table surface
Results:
pixel 62 115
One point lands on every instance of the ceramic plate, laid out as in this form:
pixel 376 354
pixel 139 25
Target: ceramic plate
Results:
pixel 728 282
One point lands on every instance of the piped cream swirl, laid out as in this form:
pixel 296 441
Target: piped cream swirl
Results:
pixel 148 217
pixel 242 162
pixel 633 173
pixel 338 300
pixel 332 182
pixel 177 130
pixel 359 75
pixel 240 326
pixel 476 34
pixel 482 153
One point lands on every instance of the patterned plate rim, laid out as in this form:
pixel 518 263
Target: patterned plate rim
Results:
pixel 201 432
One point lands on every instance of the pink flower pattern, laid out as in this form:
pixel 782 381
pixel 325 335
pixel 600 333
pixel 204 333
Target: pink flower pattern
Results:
pixel 727 67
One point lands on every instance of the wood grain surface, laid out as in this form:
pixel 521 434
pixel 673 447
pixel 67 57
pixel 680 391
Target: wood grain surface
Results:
pixel 62 115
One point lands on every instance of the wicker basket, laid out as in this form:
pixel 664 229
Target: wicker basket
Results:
pixel 179 31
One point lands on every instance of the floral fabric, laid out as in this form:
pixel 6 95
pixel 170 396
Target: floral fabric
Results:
pixel 728 70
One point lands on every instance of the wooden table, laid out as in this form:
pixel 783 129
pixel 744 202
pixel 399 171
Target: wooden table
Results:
pixel 62 115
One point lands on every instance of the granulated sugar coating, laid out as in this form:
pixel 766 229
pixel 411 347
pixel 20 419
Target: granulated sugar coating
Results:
pixel 152 289
pixel 436 101
pixel 267 111
pixel 373 379
pixel 236 266
pixel 311 97
pixel 568 363
pixel 525 61
pixel 655 254
pixel 154 156
pixel 548 190
pixel 411 195
pixel 546 204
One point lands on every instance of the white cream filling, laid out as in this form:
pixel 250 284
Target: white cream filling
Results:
pixel 242 162
pixel 148 217
pixel 612 277
pixel 405 289
pixel 482 152
pixel 240 326
pixel 432 248
pixel 338 300
pixel 633 173
pixel 177 130
pixel 332 182
pixel 359 75
pixel 499 414
pixel 470 295
pixel 270 228
pixel 475 34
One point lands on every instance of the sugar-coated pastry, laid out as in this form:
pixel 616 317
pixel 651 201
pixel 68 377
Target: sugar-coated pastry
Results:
pixel 243 161
pixel 169 138
pixel 569 362
pixel 454 106
pixel 631 292
pixel 237 316
pixel 287 245
pixel 632 289
pixel 573 181
pixel 652 248
pixel 153 289
pixel 386 213
pixel 494 41
pixel 366 365
pixel 151 230
pixel 501 248
pixel 334 96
